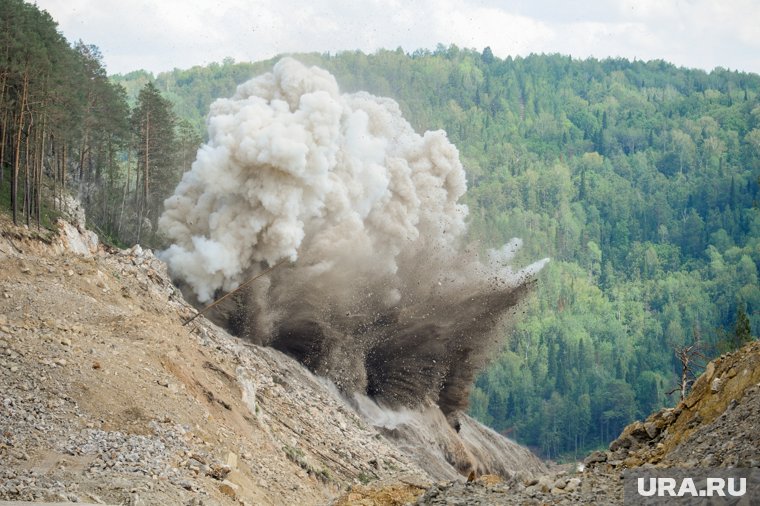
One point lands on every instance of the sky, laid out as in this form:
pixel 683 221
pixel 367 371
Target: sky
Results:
pixel 160 35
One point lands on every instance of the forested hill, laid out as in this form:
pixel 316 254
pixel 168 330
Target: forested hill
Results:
pixel 639 179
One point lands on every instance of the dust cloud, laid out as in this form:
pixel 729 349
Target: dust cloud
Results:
pixel 379 293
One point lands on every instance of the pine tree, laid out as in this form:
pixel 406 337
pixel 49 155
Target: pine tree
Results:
pixel 154 142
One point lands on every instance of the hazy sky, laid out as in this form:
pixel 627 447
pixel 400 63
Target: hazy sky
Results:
pixel 163 34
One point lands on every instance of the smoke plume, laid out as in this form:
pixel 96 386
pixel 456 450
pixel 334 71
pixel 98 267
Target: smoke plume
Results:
pixel 380 294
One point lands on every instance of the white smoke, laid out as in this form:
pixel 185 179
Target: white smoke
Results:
pixel 293 168
pixel 369 214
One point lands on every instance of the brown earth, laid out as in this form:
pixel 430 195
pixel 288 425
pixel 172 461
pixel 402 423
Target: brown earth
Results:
pixel 106 396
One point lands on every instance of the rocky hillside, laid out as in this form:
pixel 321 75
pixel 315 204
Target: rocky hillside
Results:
pixel 717 425
pixel 108 398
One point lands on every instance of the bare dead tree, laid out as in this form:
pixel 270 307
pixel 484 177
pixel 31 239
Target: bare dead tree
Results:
pixel 692 359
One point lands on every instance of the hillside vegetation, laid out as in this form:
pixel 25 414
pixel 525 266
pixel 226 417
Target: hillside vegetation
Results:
pixel 639 179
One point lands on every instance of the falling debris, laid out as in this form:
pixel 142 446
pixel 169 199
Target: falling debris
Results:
pixel 381 295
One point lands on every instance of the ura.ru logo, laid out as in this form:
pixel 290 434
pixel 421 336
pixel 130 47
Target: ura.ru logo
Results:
pixel 713 487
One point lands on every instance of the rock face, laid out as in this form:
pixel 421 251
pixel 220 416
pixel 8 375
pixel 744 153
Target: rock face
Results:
pixel 78 241
pixel 105 396
pixel 717 425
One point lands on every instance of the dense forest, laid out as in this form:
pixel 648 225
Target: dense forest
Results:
pixel 639 179
pixel 66 128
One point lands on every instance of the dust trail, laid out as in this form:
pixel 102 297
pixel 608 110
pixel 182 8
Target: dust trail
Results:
pixel 381 295
pixel 445 451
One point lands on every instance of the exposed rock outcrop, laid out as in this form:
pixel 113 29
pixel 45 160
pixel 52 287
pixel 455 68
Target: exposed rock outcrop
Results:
pixel 717 425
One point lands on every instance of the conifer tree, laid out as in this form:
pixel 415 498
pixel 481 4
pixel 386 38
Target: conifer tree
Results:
pixel 154 143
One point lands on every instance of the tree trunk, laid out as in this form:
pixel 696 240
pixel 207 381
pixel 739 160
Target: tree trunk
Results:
pixel 27 200
pixel 146 176
pixel 40 167
pixel 56 169
pixel 126 193
pixel 684 377
pixel 63 169
pixel 3 138
pixel 147 154
pixel 107 214
pixel 4 132
pixel 17 154
pixel 82 159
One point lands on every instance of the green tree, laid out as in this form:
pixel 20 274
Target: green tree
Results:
pixel 742 330
pixel 153 134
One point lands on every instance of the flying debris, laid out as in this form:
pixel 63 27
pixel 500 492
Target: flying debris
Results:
pixel 380 295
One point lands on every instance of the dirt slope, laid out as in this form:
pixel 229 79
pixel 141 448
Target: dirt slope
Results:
pixel 106 396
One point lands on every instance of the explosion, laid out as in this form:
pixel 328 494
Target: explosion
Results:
pixel 380 294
